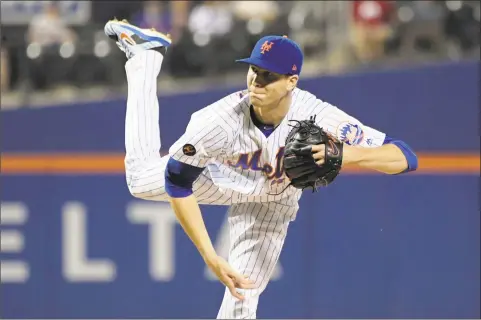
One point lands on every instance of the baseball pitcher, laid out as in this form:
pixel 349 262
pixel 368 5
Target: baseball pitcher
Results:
pixel 254 150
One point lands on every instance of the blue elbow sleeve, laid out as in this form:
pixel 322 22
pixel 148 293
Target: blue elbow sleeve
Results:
pixel 411 157
pixel 179 178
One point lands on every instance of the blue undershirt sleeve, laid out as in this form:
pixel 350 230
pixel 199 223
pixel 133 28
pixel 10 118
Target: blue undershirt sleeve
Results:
pixel 179 178
pixel 410 155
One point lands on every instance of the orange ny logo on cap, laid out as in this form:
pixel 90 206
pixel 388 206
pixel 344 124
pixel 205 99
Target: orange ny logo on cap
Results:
pixel 266 46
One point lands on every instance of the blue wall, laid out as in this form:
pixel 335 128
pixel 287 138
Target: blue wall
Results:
pixel 418 105
pixel 369 246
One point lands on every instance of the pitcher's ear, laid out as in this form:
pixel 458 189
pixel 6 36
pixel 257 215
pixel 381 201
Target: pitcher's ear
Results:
pixel 292 82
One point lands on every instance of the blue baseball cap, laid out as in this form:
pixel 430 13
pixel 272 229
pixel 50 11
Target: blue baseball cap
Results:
pixel 277 54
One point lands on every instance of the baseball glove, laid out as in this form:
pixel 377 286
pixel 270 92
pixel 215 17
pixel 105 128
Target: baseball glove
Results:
pixel 299 164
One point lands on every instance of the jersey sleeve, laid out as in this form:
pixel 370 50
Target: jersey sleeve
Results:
pixel 347 128
pixel 203 141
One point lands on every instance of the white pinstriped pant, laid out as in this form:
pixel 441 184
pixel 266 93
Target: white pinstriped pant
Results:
pixel 257 230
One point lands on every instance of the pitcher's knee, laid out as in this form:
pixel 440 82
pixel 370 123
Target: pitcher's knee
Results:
pixel 147 188
pixel 240 311
pixel 133 191
pixel 232 308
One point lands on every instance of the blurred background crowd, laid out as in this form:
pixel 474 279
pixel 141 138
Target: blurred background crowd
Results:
pixel 58 49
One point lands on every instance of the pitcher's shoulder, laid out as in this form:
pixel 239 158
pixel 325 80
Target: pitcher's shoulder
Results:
pixel 227 112
pixel 233 104
pixel 304 98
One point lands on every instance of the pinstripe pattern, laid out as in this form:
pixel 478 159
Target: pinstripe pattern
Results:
pixel 223 133
pixel 257 234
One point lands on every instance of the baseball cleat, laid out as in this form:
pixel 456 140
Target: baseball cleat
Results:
pixel 131 39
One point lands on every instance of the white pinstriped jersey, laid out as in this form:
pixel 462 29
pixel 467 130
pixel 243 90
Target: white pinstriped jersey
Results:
pixel 244 164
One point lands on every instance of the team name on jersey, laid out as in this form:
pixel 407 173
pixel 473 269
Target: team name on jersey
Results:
pixel 251 161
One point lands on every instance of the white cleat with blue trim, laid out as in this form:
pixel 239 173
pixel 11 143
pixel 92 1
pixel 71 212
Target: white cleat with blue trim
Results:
pixel 131 39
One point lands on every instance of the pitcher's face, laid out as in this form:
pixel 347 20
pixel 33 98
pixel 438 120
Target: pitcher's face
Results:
pixel 266 88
